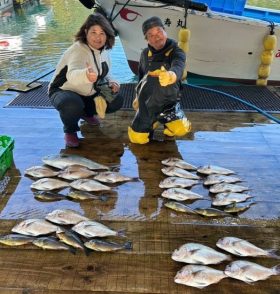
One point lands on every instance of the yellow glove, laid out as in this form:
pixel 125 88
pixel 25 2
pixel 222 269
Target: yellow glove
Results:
pixel 166 78
pixel 135 104
pixel 179 127
pixel 138 138
pixel 100 106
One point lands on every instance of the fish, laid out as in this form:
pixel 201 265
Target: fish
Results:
pixel 40 172
pixel 62 161
pixel 83 195
pixel 111 177
pixel 52 244
pixel 242 247
pixel 217 179
pixel 48 196
pixel 180 194
pixel 196 253
pixel 104 246
pixel 15 239
pixel 70 238
pixel 48 184
pixel 173 161
pixel 224 187
pixel 179 207
pixel 34 227
pixel 174 171
pixel 176 182
pixel 238 207
pixel 91 229
pixel 211 212
pixel 214 169
pixel 198 276
pixel 250 272
pixel 65 217
pixel 89 185
pixel 74 172
pixel 222 199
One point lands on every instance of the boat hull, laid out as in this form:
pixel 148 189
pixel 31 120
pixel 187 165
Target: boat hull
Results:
pixel 221 45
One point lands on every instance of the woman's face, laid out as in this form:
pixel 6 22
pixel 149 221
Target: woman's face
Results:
pixel 96 37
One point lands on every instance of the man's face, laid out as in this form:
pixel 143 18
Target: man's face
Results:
pixel 156 37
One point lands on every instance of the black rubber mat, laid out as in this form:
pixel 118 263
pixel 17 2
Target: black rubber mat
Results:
pixel 193 99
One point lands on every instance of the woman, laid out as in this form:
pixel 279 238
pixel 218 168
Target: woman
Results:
pixel 78 87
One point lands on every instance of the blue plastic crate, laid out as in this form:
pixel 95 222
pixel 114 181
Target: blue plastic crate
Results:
pixel 226 6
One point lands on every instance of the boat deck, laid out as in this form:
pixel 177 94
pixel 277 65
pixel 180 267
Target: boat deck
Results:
pixel 247 143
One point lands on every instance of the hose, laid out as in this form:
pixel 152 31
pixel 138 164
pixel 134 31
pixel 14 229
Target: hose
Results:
pixel 240 100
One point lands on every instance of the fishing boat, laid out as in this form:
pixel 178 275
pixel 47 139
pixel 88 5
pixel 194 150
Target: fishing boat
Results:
pixel 223 45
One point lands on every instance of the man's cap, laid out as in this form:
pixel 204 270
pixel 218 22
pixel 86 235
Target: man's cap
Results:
pixel 151 22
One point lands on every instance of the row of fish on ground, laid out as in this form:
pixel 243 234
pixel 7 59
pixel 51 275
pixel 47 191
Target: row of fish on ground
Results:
pixel 198 274
pixel 85 176
pixel 65 229
pixel 220 181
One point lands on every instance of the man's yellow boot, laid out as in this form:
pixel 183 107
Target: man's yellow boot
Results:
pixel 138 138
pixel 179 127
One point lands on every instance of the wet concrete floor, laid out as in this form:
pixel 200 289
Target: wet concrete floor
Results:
pixel 247 143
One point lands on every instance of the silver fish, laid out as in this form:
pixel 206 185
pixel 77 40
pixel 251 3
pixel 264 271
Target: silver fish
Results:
pixel 40 172
pixel 61 161
pixel 91 229
pixel 15 239
pixel 173 161
pixel 176 182
pixel 83 195
pixel 179 207
pixel 180 194
pixel 111 177
pixel 48 184
pixel 211 212
pixel 34 227
pixel 65 217
pixel 217 179
pixel 174 171
pixel 198 276
pixel 89 185
pixel 214 169
pixel 222 199
pixel 196 253
pixel 224 187
pixel 48 196
pixel 242 247
pixel 100 245
pixel 238 207
pixel 52 244
pixel 74 172
pixel 250 272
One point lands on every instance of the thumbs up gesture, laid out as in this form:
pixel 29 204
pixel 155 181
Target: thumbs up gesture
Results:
pixel 166 78
pixel 91 75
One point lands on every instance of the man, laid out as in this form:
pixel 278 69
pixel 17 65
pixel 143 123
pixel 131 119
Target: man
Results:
pixel 161 68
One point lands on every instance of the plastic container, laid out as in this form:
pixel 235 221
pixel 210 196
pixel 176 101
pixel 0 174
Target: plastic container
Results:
pixel 226 6
pixel 6 153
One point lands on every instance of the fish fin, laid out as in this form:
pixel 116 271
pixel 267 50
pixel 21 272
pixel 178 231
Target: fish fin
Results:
pixel 193 251
pixel 87 251
pixel 128 245
pixel 272 253
pixel 121 233
pixel 276 269
pixel 72 250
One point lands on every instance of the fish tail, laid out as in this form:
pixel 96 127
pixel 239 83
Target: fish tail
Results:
pixel 128 245
pixel 272 253
pixel 121 233
pixel 276 269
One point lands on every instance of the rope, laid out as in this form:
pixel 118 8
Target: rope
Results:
pixel 240 100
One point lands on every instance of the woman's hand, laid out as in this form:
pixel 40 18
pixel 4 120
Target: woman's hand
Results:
pixel 114 86
pixel 91 75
